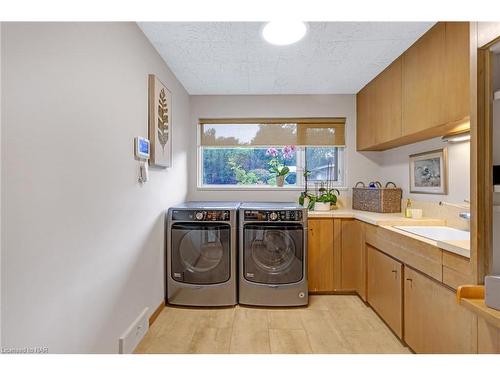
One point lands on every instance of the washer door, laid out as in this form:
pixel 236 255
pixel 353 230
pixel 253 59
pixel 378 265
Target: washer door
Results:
pixel 201 253
pixel 273 253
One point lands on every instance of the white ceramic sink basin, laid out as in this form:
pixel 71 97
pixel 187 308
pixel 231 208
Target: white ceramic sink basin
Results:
pixel 437 233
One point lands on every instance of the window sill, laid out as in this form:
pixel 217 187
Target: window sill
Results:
pixel 250 188
pixel 258 188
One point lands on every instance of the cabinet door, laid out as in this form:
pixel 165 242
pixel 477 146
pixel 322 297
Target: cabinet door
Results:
pixel 424 82
pixel 488 337
pixel 320 259
pixel 384 288
pixel 351 255
pixel 434 322
pixel 457 71
pixel 365 111
pixel 388 110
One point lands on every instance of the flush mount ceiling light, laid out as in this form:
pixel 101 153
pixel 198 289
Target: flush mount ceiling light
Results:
pixel 282 33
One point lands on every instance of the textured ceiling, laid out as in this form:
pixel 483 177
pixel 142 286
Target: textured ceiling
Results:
pixel 231 58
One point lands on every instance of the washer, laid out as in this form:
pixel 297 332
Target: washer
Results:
pixel 273 254
pixel 201 254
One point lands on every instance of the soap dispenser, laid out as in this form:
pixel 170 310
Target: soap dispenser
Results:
pixel 408 208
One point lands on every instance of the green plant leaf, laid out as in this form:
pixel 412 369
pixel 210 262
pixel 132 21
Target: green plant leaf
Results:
pixel 301 198
pixel 284 171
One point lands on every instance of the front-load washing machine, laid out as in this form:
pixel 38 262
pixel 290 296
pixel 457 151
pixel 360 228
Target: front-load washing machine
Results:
pixel 273 254
pixel 201 254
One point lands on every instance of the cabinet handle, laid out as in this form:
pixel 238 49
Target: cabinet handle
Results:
pixel 411 281
pixel 395 272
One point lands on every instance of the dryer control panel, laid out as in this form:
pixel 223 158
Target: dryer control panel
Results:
pixel 272 215
pixel 201 215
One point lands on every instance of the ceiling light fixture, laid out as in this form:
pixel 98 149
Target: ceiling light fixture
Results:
pixel 282 33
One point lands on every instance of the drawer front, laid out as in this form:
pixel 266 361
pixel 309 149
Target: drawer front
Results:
pixel 415 253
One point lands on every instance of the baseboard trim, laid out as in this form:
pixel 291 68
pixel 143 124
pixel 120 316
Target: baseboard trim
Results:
pixel 333 293
pixel 156 313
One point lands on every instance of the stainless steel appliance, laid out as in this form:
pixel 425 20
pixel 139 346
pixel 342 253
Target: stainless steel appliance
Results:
pixel 273 254
pixel 201 254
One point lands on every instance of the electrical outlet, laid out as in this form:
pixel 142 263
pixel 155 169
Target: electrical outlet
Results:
pixel 134 333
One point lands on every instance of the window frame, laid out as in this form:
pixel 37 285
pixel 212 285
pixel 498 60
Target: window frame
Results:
pixel 299 186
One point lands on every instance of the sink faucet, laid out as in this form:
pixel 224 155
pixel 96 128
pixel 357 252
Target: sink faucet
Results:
pixel 464 215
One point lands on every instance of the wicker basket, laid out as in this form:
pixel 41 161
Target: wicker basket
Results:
pixel 377 199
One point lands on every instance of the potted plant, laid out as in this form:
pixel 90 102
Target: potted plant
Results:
pixel 324 201
pixel 281 173
pixel 277 163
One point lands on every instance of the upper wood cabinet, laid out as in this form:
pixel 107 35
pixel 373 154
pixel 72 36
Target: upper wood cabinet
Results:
pixel 365 108
pixel 421 95
pixel 388 117
pixel 457 80
pixel 379 108
pixel 424 77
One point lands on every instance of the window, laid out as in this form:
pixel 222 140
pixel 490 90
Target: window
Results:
pixel 245 153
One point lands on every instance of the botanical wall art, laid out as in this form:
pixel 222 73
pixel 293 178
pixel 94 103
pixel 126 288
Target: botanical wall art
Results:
pixel 428 172
pixel 160 123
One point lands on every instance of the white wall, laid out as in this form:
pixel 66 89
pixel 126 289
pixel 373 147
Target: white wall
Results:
pixel 394 167
pixel 359 166
pixel 83 241
pixel 390 165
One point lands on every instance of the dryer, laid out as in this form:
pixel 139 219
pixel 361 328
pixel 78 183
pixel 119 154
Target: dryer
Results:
pixel 273 254
pixel 202 254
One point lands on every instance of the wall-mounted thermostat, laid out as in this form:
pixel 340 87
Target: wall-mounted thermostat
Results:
pixel 142 148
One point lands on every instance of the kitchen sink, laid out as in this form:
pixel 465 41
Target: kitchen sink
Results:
pixel 436 233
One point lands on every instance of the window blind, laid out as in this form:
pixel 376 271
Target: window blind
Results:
pixel 272 132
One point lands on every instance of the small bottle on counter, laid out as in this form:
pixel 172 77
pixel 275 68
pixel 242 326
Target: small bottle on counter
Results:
pixel 408 208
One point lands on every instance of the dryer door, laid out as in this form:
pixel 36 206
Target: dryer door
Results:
pixel 201 253
pixel 273 253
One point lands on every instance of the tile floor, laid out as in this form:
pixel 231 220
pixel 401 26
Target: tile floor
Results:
pixel 330 324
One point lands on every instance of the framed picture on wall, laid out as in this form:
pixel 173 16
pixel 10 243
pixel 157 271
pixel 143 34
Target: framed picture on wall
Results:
pixel 429 172
pixel 160 122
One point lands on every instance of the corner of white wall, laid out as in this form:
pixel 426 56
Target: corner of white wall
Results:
pixel 95 257
pixel 395 168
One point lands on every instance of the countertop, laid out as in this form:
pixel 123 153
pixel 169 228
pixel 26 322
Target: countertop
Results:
pixel 375 218
pixel 388 221
pixel 472 298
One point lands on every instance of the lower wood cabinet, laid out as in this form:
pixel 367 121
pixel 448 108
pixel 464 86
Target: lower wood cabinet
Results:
pixel 488 337
pixel 320 258
pixel 384 288
pixel 352 265
pixel 335 255
pixel 347 255
pixel 433 321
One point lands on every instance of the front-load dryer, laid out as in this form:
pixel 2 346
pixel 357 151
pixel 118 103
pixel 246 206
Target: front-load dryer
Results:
pixel 202 254
pixel 273 254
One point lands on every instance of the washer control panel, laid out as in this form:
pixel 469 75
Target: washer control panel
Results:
pixel 273 215
pixel 201 215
